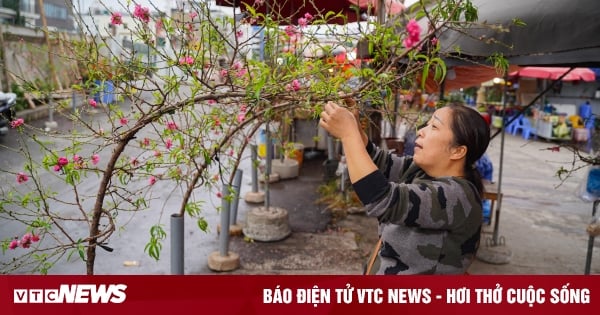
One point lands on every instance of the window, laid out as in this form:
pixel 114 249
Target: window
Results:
pixel 27 6
pixel 55 12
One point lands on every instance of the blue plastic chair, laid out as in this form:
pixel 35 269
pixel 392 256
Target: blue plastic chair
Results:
pixel 106 94
pixel 510 128
pixel 525 127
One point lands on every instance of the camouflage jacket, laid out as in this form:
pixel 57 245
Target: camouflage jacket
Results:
pixel 427 225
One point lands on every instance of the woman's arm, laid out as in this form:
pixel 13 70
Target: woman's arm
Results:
pixel 444 203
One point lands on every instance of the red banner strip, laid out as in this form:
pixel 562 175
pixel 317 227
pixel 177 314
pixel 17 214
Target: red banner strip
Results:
pixel 300 294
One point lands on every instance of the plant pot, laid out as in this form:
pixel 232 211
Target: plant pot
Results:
pixel 287 168
pixel 297 153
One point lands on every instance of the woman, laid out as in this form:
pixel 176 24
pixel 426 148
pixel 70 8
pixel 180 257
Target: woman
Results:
pixel 428 205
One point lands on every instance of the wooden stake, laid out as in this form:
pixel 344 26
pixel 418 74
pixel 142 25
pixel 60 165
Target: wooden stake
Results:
pixel 3 61
pixel 47 37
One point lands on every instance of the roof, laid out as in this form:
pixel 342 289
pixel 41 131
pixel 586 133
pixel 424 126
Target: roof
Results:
pixel 556 32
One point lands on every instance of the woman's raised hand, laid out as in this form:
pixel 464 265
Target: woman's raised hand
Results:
pixel 338 121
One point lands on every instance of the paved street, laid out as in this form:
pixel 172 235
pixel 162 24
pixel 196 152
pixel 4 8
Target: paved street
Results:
pixel 542 220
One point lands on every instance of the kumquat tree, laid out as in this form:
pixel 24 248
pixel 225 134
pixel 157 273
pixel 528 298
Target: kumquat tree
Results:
pixel 185 112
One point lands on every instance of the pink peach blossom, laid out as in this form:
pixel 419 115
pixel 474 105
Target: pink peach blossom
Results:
pixel 294 86
pixel 186 60
pixel 290 30
pixel 95 159
pixel 26 240
pixel 242 72
pixel 414 32
pixel 224 73
pixel 241 117
pixel 303 22
pixel 116 18
pixel 17 122
pixel 142 13
pixel 62 161
pixel 171 125
pixel 13 244
pixel 22 178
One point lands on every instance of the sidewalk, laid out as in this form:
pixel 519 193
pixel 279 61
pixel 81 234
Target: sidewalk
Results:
pixel 542 222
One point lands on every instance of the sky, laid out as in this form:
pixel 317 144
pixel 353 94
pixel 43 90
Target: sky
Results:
pixel 164 5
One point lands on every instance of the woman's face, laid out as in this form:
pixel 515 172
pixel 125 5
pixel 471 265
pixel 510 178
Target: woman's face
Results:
pixel 435 140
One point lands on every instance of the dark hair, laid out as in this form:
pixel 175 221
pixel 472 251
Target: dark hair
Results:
pixel 471 130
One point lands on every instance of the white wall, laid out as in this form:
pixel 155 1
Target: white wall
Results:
pixel 576 93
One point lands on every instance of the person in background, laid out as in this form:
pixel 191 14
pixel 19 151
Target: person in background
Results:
pixel 486 169
pixel 428 205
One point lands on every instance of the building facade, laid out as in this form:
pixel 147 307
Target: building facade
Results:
pixel 28 13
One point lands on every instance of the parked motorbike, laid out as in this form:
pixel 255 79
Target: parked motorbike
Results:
pixel 7 103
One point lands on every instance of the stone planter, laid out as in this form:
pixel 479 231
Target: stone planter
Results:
pixel 267 224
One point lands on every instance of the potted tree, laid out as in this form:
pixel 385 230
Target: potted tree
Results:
pixel 185 129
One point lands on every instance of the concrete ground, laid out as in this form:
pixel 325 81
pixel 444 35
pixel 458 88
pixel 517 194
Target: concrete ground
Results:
pixel 541 228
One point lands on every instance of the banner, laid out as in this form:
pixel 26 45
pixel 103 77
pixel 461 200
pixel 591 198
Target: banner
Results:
pixel 299 294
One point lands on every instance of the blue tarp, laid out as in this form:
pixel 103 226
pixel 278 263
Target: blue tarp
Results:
pixel 597 72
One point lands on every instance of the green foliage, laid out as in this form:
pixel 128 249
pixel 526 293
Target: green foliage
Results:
pixel 154 245
pixel 190 115
pixel 21 102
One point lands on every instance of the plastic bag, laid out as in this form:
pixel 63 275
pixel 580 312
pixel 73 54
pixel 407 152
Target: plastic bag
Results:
pixel 589 188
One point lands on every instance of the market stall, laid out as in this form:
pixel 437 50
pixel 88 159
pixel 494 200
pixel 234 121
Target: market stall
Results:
pixel 544 38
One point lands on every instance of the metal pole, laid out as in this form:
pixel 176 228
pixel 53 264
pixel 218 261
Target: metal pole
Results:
pixel 496 212
pixel 224 235
pixel 268 167
pixel 381 11
pixel 237 183
pixel 395 113
pixel 177 244
pixel 74 100
pixel 500 169
pixel 330 153
pixel 588 258
pixel 254 158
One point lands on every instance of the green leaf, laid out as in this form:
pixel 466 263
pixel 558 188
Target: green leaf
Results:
pixel 202 224
pixel 154 245
pixel 81 251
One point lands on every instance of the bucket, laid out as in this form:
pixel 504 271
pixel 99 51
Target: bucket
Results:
pixel 288 168
pixel 261 140
pixel 497 121
pixel 580 134
pixel 297 153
